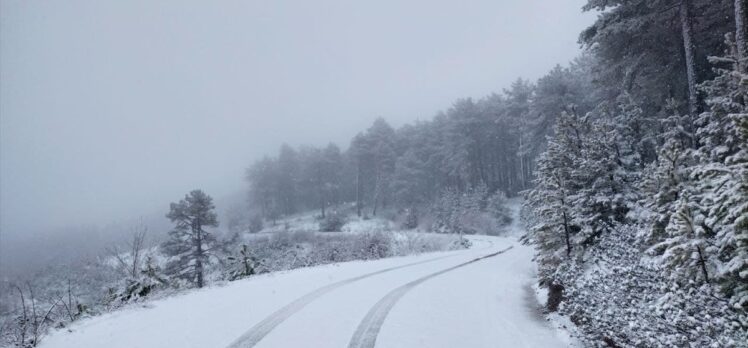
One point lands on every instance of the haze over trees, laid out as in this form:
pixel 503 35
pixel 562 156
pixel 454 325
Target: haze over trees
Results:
pixel 632 161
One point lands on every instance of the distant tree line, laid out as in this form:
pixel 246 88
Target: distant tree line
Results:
pixel 489 142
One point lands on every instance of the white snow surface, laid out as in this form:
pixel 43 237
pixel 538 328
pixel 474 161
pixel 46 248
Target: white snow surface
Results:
pixel 488 303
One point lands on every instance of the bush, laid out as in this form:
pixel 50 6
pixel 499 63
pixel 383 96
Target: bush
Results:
pixel 333 222
pixel 134 289
pixel 243 264
pixel 375 245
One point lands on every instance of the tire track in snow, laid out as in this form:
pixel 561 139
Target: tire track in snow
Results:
pixel 261 329
pixel 368 330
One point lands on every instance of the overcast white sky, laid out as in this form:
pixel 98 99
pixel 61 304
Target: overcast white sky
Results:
pixel 112 109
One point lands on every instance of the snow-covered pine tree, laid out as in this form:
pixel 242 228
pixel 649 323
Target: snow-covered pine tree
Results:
pixel 598 200
pixel 725 95
pixel 677 126
pixel 721 176
pixel 410 179
pixel 688 253
pixel 550 198
pixel 636 133
pixel 733 201
pixel 189 244
pixel 662 182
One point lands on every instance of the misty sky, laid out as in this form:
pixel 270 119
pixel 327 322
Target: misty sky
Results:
pixel 113 109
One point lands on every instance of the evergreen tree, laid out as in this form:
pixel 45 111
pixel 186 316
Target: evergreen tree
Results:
pixel 189 245
pixel 410 180
pixel 720 176
pixel 262 182
pixel 687 251
pixel 550 199
pixel 660 188
pixel 654 49
pixel 286 183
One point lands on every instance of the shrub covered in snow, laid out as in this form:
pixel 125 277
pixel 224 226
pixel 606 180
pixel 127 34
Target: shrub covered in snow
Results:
pixel 332 222
pixel 623 301
pixel 289 250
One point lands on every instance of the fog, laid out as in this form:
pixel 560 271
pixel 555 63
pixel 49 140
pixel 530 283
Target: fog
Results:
pixel 111 110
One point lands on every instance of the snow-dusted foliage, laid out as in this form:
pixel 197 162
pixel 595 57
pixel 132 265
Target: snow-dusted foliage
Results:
pixel 649 243
pixel 721 177
pixel 618 298
pixel 332 222
pixel 470 212
pixel 578 194
pixel 288 250
pixel 148 279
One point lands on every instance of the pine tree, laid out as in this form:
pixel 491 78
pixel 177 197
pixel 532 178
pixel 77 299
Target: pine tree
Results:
pixel 660 188
pixel 599 198
pixel 722 172
pixel 733 203
pixel 636 134
pixel 287 180
pixel 656 49
pixel 410 180
pixel 551 198
pixel 189 245
pixel 262 176
pixel 687 252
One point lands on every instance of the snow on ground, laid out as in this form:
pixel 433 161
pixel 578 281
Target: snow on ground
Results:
pixel 484 305
pixel 309 221
pixel 481 304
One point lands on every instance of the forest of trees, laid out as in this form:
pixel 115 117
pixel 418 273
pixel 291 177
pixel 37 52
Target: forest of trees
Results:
pixel 489 142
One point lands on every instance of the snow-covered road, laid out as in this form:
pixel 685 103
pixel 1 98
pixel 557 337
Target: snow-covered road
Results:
pixel 471 298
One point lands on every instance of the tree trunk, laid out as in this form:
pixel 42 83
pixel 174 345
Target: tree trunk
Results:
pixel 702 262
pixel 377 190
pixel 358 190
pixel 374 203
pixel 322 201
pixel 567 235
pixel 688 47
pixel 199 254
pixel 740 35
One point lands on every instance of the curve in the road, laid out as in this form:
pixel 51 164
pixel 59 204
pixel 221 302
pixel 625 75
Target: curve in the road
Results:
pixel 261 329
pixel 368 330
